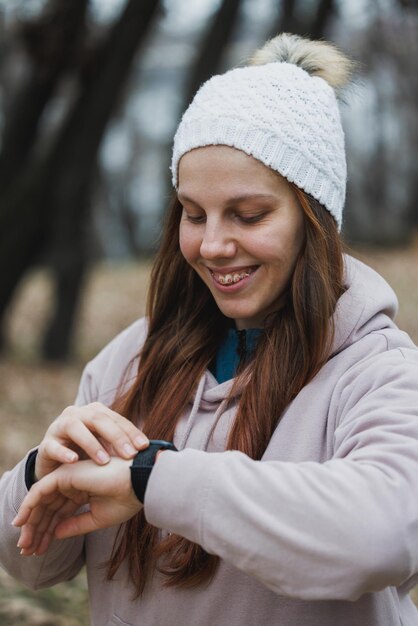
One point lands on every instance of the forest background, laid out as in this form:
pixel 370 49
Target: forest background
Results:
pixel 91 92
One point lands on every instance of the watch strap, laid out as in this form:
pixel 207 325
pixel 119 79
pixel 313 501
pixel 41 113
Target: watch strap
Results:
pixel 30 478
pixel 143 463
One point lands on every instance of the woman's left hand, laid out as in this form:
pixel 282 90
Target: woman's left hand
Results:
pixel 49 508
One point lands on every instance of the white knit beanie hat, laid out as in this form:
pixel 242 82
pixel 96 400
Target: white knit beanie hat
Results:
pixel 283 111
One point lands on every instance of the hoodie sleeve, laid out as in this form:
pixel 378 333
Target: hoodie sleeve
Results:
pixel 62 561
pixel 309 530
pixel 64 558
pixel 99 382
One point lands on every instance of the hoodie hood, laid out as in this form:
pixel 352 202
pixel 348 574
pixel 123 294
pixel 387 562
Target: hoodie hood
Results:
pixel 369 304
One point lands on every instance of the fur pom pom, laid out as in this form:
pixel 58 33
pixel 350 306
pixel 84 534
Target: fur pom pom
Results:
pixel 318 58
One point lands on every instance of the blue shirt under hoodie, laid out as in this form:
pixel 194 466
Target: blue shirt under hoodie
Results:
pixel 236 346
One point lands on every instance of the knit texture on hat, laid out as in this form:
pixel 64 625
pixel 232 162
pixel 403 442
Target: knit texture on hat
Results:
pixel 280 115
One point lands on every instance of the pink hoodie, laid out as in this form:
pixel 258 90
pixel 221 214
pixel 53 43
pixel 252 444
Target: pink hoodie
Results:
pixel 323 531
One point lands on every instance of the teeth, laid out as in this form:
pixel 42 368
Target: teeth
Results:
pixel 235 277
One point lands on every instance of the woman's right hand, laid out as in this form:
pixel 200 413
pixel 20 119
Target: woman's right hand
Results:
pixel 92 431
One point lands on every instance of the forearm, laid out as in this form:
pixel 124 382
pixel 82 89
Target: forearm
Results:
pixel 306 530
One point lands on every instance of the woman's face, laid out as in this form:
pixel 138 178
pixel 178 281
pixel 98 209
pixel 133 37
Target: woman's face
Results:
pixel 241 230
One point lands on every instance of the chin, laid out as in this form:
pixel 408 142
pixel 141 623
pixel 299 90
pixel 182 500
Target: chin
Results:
pixel 245 320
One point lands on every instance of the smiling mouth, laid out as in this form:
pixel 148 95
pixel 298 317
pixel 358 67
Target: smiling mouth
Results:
pixel 232 278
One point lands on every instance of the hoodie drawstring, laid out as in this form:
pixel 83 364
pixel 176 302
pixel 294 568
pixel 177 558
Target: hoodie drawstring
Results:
pixel 193 413
pixel 219 412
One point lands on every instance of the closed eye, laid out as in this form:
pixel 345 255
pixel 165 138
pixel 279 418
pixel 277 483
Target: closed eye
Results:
pixel 195 219
pixel 251 219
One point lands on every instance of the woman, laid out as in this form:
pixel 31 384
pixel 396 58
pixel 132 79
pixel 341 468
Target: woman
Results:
pixel 272 362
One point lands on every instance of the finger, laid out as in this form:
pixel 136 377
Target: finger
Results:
pixel 45 534
pixel 109 426
pixel 81 435
pixel 40 548
pixel 24 552
pixel 44 544
pixel 39 493
pixel 43 521
pixel 41 518
pixel 27 506
pixel 56 451
pixel 23 514
pixel 48 520
pixel 56 504
pixel 137 437
pixel 108 447
pixel 29 540
pixel 26 537
pixel 76 525
pixel 106 429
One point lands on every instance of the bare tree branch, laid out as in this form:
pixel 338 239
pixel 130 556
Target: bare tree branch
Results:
pixel 213 45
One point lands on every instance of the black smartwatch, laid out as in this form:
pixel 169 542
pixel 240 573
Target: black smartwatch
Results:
pixel 30 478
pixel 143 463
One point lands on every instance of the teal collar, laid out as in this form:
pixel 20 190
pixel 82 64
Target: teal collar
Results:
pixel 236 346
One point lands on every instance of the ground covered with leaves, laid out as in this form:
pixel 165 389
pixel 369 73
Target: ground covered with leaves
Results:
pixel 32 393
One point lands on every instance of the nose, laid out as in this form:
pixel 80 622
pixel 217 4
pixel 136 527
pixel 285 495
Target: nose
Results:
pixel 217 242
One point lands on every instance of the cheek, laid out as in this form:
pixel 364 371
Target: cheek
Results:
pixel 189 244
pixel 285 244
pixel 267 248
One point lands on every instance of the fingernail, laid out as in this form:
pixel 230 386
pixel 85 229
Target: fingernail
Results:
pixel 18 545
pixel 141 441
pixel 14 521
pixel 129 449
pixel 71 456
pixel 103 456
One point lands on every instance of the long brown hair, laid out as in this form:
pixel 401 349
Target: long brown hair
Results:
pixel 185 328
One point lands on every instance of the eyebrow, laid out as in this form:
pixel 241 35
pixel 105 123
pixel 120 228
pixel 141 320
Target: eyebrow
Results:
pixel 233 199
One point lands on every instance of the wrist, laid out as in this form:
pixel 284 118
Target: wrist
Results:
pixel 143 464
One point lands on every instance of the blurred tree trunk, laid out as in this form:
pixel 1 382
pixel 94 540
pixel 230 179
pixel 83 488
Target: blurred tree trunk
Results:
pixel 74 164
pixel 49 208
pixel 313 25
pixel 52 42
pixel 213 45
pixel 383 190
pixel 321 18
pixel 208 59
pixel 288 22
